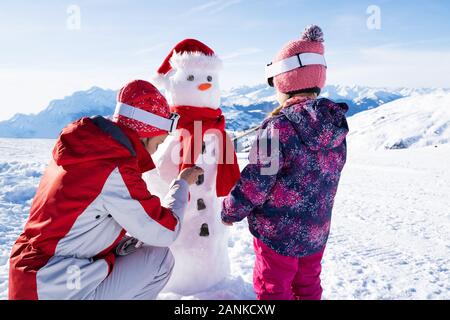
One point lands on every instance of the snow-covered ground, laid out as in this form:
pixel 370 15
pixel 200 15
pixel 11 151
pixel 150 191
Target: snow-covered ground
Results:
pixel 21 166
pixel 390 232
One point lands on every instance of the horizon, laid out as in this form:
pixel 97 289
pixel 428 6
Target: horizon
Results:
pixel 223 91
pixel 53 50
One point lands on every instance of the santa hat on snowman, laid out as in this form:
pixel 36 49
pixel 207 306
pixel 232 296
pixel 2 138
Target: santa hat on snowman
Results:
pixel 189 74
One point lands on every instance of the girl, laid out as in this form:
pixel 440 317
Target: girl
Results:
pixel 92 194
pixel 289 207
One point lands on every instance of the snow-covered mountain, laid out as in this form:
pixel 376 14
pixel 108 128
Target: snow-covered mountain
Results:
pixel 49 122
pixel 415 121
pixel 244 107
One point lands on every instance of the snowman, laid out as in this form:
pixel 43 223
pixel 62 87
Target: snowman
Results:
pixel 189 76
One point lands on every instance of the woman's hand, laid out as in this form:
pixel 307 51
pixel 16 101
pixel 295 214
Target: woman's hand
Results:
pixel 190 175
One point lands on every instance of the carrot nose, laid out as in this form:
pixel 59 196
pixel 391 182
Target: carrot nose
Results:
pixel 204 86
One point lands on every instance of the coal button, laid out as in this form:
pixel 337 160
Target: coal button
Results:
pixel 201 205
pixel 201 179
pixel 204 230
pixel 203 148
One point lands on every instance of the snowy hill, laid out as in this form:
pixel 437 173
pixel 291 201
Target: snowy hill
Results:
pixel 244 107
pixel 416 121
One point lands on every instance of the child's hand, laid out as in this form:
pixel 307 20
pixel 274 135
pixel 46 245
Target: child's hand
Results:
pixel 228 224
pixel 190 175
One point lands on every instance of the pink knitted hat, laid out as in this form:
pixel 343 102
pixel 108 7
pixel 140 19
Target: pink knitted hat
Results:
pixel 309 70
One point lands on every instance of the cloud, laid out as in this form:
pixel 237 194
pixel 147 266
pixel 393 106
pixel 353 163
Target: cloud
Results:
pixel 241 52
pixel 412 44
pixel 212 7
pixel 151 49
pixel 202 7
pixel 224 5
pixel 391 67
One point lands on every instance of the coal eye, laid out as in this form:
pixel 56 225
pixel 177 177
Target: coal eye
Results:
pixel 209 78
pixel 190 77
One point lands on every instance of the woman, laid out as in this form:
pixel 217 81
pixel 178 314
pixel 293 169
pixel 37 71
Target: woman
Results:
pixel 90 196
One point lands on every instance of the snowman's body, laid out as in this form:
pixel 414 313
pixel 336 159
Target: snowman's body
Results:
pixel 201 250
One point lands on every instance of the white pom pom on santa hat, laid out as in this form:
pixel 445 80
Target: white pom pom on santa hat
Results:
pixel 189 54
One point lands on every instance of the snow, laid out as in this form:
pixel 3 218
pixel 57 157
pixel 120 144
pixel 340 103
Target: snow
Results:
pixel 390 235
pixel 21 165
pixel 408 122
pixel 391 229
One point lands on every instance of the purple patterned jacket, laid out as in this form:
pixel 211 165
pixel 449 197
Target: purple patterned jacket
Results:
pixel 289 207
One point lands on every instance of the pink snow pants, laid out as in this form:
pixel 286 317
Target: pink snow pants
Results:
pixel 278 277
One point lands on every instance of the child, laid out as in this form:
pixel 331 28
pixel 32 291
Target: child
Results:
pixel 91 194
pixel 289 210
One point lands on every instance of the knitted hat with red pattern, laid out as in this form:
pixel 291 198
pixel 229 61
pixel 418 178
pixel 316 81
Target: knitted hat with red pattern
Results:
pixel 141 95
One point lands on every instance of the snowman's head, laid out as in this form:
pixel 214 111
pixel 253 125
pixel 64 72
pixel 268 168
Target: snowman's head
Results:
pixel 190 75
pixel 194 80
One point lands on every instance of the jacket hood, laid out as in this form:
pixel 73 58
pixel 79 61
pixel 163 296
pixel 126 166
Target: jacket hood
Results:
pixel 320 123
pixel 97 138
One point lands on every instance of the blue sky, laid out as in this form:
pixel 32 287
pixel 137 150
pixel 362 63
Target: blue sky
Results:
pixel 118 40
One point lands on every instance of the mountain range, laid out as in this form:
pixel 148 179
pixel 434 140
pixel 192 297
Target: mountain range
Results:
pixel 244 107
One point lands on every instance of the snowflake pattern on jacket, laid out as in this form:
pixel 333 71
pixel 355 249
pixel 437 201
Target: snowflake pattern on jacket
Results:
pixel 289 209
